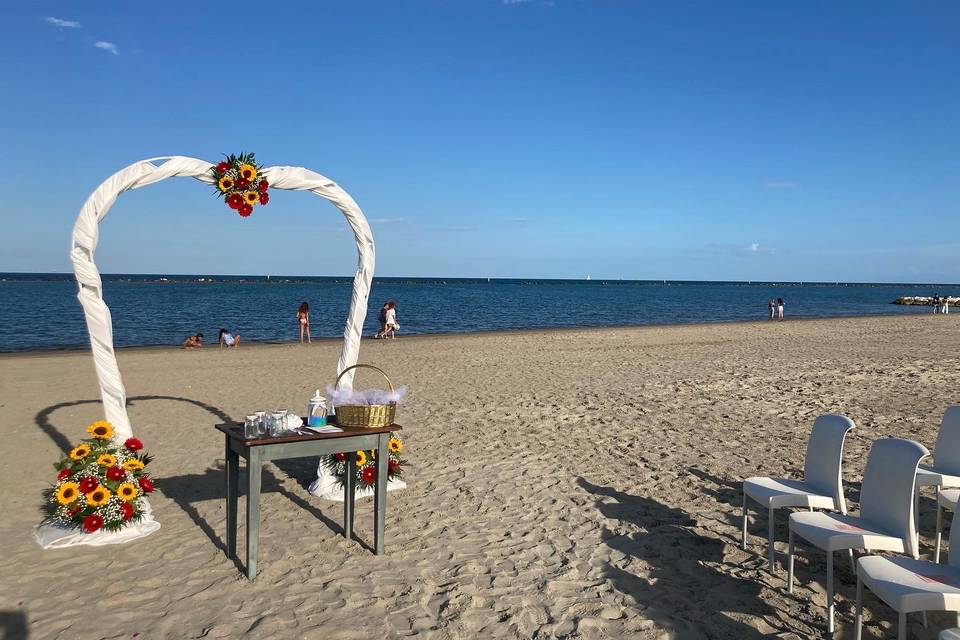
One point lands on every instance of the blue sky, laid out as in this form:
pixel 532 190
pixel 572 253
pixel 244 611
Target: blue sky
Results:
pixel 687 140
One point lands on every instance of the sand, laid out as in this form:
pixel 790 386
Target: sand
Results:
pixel 580 484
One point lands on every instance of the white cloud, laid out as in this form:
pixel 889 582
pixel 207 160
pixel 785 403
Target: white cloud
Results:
pixel 63 24
pixel 755 247
pixel 107 46
pixel 780 184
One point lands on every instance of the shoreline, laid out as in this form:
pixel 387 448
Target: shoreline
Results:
pixel 55 351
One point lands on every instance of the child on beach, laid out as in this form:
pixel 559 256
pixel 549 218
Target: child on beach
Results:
pixel 303 319
pixel 193 342
pixel 228 339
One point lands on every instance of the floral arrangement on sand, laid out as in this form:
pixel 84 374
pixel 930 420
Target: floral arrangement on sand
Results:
pixel 366 464
pixel 240 183
pixel 100 484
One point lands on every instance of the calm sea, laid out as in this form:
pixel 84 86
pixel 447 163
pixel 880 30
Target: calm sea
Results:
pixel 41 311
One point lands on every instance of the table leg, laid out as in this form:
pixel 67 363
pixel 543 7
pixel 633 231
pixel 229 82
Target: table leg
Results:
pixel 232 473
pixel 253 510
pixel 380 497
pixel 350 478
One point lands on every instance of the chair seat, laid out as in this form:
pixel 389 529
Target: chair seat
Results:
pixel 834 531
pixel 931 476
pixel 781 492
pixel 911 585
pixel 950 634
pixel 948 498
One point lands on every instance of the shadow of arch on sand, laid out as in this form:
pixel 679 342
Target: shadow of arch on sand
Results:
pixel 64 443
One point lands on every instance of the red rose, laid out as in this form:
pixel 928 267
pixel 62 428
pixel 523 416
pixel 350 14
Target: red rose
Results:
pixel 88 484
pixel 243 183
pixel 245 210
pixel 341 457
pixel 264 197
pixel 234 200
pixel 92 522
pixel 368 475
pixel 126 509
pixel 146 484
pixel 64 473
pixel 116 473
pixel 393 467
pixel 222 166
pixel 262 187
pixel 133 444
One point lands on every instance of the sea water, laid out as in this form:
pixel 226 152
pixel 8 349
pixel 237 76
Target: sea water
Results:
pixel 42 312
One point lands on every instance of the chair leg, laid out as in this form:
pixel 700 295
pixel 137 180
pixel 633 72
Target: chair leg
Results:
pixel 936 553
pixel 853 562
pixel 830 592
pixel 926 625
pixel 771 550
pixel 902 626
pixel 858 624
pixel 743 543
pixel 790 562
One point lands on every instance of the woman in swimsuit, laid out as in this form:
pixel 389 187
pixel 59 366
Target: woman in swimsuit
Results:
pixel 227 339
pixel 303 318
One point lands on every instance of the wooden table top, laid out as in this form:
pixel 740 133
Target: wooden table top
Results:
pixel 235 431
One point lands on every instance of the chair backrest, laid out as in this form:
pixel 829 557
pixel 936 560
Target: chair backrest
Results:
pixel 824 457
pixel 946 450
pixel 887 493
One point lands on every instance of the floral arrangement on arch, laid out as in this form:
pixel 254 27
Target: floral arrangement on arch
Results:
pixel 240 184
pixel 366 464
pixel 100 484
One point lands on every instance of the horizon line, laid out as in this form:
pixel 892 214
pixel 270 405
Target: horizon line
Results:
pixel 492 278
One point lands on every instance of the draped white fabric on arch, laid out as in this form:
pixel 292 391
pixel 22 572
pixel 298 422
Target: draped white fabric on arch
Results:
pixel 86 233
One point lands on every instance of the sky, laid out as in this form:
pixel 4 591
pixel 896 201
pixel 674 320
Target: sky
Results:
pixel 812 141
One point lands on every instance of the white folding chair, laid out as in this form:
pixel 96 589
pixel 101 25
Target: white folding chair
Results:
pixel 949 634
pixel 908 584
pixel 821 486
pixel 945 470
pixel 886 522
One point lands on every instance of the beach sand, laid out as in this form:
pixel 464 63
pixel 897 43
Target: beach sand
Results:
pixel 579 484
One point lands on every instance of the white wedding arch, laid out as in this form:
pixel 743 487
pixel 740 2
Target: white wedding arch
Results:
pixel 86 232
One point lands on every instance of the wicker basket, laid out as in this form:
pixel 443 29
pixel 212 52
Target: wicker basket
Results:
pixel 365 415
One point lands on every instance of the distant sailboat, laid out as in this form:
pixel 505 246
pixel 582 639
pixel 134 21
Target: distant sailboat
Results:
pixel 588 277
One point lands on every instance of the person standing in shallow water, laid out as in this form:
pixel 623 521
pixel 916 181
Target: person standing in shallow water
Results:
pixel 780 308
pixel 303 319
pixel 772 308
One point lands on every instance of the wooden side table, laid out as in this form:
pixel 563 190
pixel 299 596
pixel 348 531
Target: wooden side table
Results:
pixel 256 451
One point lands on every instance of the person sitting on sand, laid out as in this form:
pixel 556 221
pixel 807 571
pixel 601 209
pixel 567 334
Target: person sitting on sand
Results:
pixel 193 342
pixel 228 339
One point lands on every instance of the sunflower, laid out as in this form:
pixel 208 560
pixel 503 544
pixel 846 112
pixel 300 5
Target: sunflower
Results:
pixel 361 458
pixel 98 497
pixel 225 184
pixel 79 452
pixel 251 197
pixel 68 492
pixel 101 430
pixel 133 464
pixel 248 171
pixel 127 491
pixel 395 445
pixel 107 460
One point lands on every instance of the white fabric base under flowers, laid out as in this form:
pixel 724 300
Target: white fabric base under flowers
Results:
pixel 326 486
pixel 51 536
